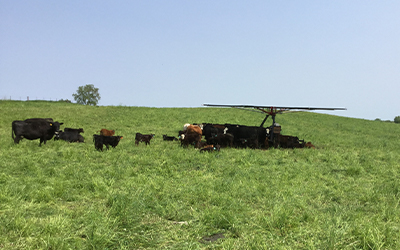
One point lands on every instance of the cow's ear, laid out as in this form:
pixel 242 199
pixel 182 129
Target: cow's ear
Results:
pixel 61 123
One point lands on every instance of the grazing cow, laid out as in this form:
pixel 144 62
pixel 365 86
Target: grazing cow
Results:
pixel 143 138
pixel 100 140
pixel 70 136
pixel 210 148
pixel 35 128
pixel 169 138
pixel 106 132
pixel 190 139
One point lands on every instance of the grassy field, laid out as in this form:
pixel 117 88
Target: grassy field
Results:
pixel 345 194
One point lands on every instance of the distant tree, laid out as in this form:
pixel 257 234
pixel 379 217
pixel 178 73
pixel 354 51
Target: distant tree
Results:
pixel 66 100
pixel 87 95
pixel 378 120
pixel 397 119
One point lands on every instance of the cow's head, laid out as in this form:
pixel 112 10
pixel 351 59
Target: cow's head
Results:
pixel 56 127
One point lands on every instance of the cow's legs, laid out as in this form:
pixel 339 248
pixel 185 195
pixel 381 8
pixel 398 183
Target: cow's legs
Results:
pixel 17 139
pixel 42 140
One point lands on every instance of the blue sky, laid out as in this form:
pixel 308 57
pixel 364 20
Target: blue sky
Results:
pixel 186 53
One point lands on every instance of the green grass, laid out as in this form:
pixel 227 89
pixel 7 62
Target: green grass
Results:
pixel 343 195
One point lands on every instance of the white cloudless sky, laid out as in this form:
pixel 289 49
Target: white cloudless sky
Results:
pixel 185 53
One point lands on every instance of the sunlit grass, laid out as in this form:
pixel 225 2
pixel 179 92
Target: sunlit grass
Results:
pixel 342 195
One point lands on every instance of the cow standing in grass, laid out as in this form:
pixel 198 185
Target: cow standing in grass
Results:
pixel 35 128
pixel 100 140
pixel 143 138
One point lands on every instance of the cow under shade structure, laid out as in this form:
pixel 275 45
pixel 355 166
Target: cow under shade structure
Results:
pixel 100 140
pixel 35 128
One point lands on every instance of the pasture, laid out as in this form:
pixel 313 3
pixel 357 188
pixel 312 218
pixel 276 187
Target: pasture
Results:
pixel 345 194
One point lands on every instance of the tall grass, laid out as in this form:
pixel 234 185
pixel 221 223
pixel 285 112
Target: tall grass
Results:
pixel 342 195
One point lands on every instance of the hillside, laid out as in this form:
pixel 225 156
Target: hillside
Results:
pixel 344 194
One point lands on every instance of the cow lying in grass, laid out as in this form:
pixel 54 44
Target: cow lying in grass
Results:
pixel 100 140
pixel 210 148
pixel 143 138
pixel 169 138
pixel 70 135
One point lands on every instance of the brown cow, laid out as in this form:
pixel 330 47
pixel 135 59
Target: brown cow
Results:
pixel 106 132
pixel 210 148
pixel 309 145
pixel 190 139
pixel 194 129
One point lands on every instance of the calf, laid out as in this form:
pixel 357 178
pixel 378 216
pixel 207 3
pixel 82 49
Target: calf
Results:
pixel 106 132
pixel 143 138
pixel 76 130
pixel 169 138
pixel 100 140
pixel 308 145
pixel 210 148
pixel 287 141
pixel 70 136
pixel 35 128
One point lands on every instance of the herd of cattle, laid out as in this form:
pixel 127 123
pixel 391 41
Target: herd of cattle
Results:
pixel 215 135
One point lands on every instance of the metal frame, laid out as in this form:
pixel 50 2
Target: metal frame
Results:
pixel 270 111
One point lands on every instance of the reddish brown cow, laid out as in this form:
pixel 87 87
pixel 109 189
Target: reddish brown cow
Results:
pixel 309 145
pixel 106 132
pixel 194 129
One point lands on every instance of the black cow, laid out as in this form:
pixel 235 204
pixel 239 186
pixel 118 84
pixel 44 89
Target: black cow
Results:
pixel 76 130
pixel 70 136
pixel 209 129
pixel 39 119
pixel 169 138
pixel 249 133
pixel 143 138
pixel 100 140
pixel 224 140
pixel 35 128
pixel 287 141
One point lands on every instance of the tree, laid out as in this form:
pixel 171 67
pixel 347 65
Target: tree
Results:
pixel 397 119
pixel 87 95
